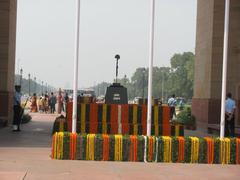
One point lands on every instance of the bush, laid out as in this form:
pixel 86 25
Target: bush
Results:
pixel 26 118
pixel 185 117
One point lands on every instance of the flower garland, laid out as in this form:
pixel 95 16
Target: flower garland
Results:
pixel 194 149
pixel 151 148
pixel 54 146
pixel 225 151
pixel 118 148
pixel 90 147
pixel 181 149
pixel 132 148
pixel 73 143
pixel 210 150
pixel 167 152
pixel 60 145
pixel 105 147
pixel 238 151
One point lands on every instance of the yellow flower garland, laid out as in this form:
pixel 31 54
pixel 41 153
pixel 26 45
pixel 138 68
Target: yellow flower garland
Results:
pixel 118 148
pixel 167 151
pixel 90 147
pixel 60 145
pixel 225 151
pixel 194 149
pixel 55 145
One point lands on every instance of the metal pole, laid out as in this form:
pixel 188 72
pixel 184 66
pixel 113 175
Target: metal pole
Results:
pixel 29 89
pixel 143 79
pixel 42 87
pixel 151 48
pixel 76 58
pixel 162 87
pixel 224 70
pixel 35 85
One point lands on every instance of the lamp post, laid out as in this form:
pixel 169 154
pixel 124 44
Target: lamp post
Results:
pixel 42 87
pixel 117 57
pixel 162 86
pixel 21 73
pixel 35 85
pixel 46 90
pixel 29 89
pixel 143 80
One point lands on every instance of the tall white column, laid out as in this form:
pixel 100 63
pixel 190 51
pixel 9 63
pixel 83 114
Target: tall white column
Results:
pixel 151 50
pixel 76 58
pixel 224 70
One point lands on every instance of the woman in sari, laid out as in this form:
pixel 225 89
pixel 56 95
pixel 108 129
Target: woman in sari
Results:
pixel 34 103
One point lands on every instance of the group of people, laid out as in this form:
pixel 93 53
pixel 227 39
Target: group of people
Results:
pixel 47 103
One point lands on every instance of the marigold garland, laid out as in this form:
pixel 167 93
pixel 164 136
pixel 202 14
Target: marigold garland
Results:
pixel 181 150
pixel 90 147
pixel 159 149
pixel 237 151
pixel 118 148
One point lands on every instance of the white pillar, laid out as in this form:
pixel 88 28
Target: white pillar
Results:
pixel 151 48
pixel 224 70
pixel 76 58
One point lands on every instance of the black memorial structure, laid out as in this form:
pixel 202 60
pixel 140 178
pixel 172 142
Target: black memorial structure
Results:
pixel 116 94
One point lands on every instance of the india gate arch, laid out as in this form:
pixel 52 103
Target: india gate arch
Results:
pixel 208 66
pixel 206 103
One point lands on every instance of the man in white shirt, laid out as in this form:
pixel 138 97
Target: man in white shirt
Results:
pixel 17 109
pixel 172 102
pixel 230 107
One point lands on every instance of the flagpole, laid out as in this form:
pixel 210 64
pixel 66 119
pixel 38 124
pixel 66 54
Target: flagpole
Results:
pixel 151 48
pixel 224 70
pixel 76 58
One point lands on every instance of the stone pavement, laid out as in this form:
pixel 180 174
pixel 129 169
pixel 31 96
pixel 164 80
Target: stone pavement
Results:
pixel 26 155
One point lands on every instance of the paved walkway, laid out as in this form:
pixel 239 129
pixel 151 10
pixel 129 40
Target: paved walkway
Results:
pixel 25 155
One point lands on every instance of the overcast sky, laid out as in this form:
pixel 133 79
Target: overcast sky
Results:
pixel 46 29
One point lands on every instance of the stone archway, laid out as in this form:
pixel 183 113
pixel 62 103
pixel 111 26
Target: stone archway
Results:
pixel 206 102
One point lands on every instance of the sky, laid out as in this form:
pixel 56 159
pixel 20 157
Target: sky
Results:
pixel 46 37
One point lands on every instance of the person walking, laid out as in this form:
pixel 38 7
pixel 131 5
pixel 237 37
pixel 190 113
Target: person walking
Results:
pixel 52 103
pixel 17 109
pixel 172 102
pixel 230 107
pixel 60 102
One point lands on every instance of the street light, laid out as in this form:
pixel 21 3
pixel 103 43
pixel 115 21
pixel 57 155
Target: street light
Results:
pixel 42 87
pixel 46 88
pixel 29 90
pixel 21 73
pixel 143 80
pixel 117 57
pixel 35 84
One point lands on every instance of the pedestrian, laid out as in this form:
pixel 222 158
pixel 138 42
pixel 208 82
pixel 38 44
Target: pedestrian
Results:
pixel 34 103
pixel 40 104
pixel 52 103
pixel 65 102
pixel 172 102
pixel 45 104
pixel 17 109
pixel 60 101
pixel 230 107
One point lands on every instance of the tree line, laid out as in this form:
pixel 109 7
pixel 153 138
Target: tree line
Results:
pixel 176 79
